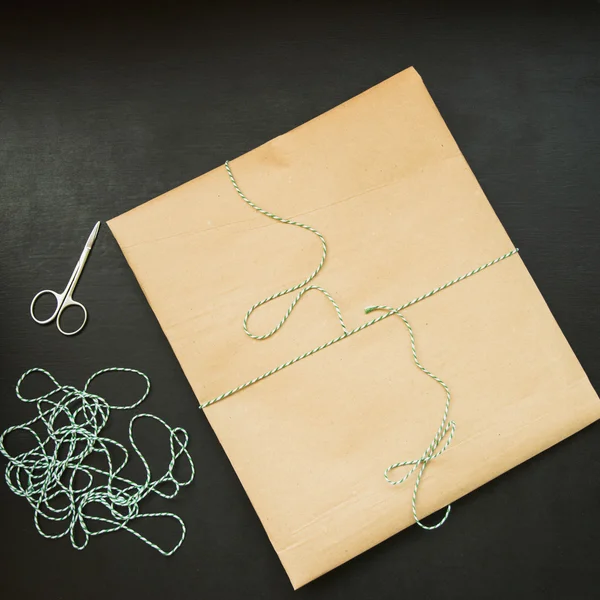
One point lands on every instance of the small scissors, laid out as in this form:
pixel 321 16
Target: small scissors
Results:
pixel 65 299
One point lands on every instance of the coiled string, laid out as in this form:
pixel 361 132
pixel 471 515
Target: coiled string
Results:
pixel 60 484
pixel 445 432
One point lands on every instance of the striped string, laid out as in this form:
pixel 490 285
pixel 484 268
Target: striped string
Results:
pixel 445 432
pixel 62 485
pixel 303 284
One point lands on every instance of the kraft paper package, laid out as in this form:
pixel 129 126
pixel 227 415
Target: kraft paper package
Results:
pixel 382 179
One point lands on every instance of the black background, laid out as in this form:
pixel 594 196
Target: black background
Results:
pixel 101 110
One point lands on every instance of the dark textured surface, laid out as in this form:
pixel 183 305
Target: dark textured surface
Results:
pixel 99 113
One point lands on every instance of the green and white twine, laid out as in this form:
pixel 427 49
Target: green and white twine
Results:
pixel 446 430
pixel 60 483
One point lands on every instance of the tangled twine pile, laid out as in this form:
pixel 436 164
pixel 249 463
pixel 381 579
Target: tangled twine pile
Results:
pixel 62 485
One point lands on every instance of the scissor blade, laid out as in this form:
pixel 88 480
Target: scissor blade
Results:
pixel 93 236
pixel 81 262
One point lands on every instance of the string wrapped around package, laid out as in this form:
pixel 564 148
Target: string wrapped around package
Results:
pixel 59 474
pixel 445 432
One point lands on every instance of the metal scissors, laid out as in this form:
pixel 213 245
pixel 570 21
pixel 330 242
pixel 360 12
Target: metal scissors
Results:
pixel 65 299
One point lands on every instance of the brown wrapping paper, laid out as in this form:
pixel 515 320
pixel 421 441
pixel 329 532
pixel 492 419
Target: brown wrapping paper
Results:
pixel 383 180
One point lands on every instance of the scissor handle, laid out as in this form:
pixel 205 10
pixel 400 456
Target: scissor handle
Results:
pixel 66 304
pixel 59 299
